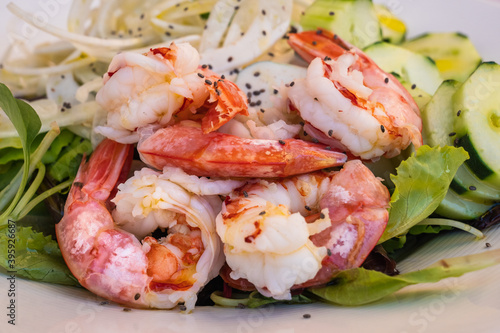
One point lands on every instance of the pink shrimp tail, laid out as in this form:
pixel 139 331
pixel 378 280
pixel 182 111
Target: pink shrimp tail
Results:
pixel 222 155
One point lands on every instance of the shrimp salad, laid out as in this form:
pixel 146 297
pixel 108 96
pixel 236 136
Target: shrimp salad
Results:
pixel 239 153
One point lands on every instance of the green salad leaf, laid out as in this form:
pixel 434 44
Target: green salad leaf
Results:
pixel 37 257
pixel 359 286
pixel 421 184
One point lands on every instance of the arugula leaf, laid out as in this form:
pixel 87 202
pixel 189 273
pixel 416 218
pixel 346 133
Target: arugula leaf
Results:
pixel 421 184
pixel 359 286
pixel 37 257
pixel 27 124
pixel 22 116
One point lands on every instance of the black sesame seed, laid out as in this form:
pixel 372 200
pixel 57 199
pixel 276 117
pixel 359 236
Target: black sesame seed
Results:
pixel 382 128
pixel 292 83
pixel 103 303
pixel 328 252
pixel 186 8
pixel 262 90
pixel 258 103
pixel 204 66
pixel 305 133
pixel 256 93
pixel 413 86
pixel 270 54
pixel 316 99
pixel 208 82
pixel 330 132
pixel 126 310
pixel 455 142
pixel 217 91
pixel 248 85
pixel 241 306
pixel 245 194
pixel 263 12
pixel 229 59
pixel 307 208
pixel 62 76
pixel 130 31
pixel 306 315
pixel 488 245
pixel 452 134
pixel 182 307
pixel 249 95
pixel 281 142
pixel 314 42
pixel 63 109
pixel 331 13
pixel 459 112
pixel 262 213
pixel 386 80
pixel 264 32
pixel 201 75
pixel 253 104
pixel 327 58
pixel 167 33
pixel 472 188
pixel 319 32
pixel 222 77
pixel 256 74
pixel 321 215
pixel 262 110
pixel 275 91
pixel 170 26
pixel 328 148
pixel 137 296
pixel 236 7
pixel 315 140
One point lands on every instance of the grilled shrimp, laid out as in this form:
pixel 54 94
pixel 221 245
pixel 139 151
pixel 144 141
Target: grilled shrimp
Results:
pixel 217 154
pixel 348 102
pixel 301 231
pixel 103 249
pixel 149 89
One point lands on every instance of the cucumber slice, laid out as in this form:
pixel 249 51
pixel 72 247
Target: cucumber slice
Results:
pixel 420 96
pixel 413 68
pixel 353 20
pixel 393 29
pixel 437 130
pixel 259 81
pixel 476 106
pixel 455 207
pixel 454 54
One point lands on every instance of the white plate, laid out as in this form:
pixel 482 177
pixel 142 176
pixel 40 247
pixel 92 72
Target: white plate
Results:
pixel 470 303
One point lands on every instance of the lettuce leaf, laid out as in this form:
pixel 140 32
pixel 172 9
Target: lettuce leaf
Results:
pixel 37 257
pixel 421 184
pixel 359 286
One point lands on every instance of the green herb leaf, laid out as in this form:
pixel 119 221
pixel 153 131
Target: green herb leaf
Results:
pixel 37 257
pixel 359 286
pixel 22 116
pixel 421 184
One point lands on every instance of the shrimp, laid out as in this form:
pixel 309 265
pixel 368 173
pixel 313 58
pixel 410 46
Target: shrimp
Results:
pixel 348 102
pixel 222 155
pixel 299 232
pixel 151 88
pixel 101 245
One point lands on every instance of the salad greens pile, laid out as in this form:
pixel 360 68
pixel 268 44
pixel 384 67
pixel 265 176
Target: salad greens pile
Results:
pixel 52 156
pixel 36 170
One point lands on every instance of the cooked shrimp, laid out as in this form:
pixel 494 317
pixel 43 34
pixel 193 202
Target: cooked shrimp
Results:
pixel 111 261
pixel 221 155
pixel 349 102
pixel 149 89
pixel 300 231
